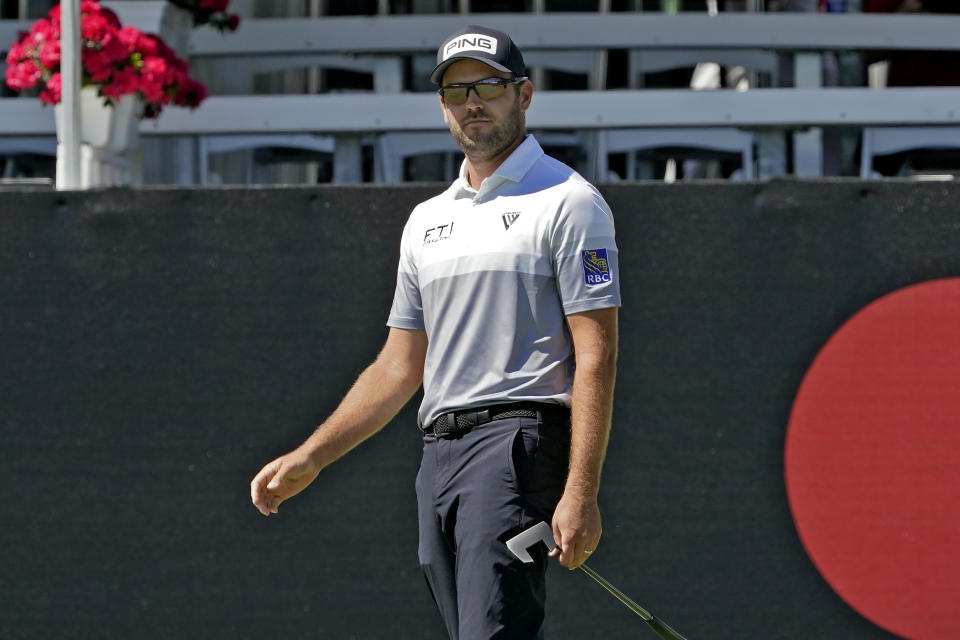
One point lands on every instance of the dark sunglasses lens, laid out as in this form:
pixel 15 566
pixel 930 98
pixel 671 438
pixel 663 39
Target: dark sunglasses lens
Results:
pixel 455 95
pixel 488 91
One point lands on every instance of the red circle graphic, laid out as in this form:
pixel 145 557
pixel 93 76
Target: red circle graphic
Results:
pixel 872 461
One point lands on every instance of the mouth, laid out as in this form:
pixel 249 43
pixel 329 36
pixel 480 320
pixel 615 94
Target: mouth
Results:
pixel 475 121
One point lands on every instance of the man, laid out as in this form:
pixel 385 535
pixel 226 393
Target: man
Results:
pixel 505 281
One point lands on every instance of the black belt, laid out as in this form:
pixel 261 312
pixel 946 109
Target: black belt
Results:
pixel 457 423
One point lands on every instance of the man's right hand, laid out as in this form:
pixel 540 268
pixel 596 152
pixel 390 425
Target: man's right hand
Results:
pixel 281 479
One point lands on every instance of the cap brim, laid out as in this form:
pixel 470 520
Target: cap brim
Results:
pixel 437 75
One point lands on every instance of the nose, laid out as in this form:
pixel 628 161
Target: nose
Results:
pixel 473 100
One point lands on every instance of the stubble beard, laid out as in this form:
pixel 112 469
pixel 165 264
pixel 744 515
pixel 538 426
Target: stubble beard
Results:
pixel 483 146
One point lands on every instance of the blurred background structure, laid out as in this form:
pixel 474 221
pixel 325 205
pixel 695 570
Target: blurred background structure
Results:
pixel 328 91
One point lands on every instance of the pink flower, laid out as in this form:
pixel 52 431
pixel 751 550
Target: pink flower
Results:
pixel 51 93
pixel 233 21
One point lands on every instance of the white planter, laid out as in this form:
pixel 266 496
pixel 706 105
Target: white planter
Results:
pixel 109 137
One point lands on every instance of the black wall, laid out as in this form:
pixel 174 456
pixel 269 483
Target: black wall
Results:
pixel 158 346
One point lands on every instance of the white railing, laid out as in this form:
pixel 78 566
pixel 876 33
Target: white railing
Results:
pixel 777 108
pixel 423 33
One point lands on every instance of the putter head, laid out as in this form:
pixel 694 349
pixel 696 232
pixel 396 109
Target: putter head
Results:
pixel 520 543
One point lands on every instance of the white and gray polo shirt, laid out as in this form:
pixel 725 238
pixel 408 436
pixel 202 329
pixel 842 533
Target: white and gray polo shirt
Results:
pixel 491 274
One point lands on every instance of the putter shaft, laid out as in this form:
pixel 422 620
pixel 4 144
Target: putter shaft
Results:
pixel 541 533
pixel 659 627
pixel 619 595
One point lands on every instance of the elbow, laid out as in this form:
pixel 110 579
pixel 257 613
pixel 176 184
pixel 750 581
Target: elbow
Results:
pixel 600 361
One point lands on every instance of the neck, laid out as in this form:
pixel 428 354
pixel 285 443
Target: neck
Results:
pixel 479 169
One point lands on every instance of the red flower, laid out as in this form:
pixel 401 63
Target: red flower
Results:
pixel 50 54
pixel 98 64
pixel 191 94
pixel 44 29
pixel 124 81
pixel 118 50
pixel 144 43
pixel 111 17
pixel 94 27
pixel 118 60
pixel 16 53
pixel 51 92
pixel 215 6
pixel 154 71
pixel 212 12
pixel 91 6
pixel 22 75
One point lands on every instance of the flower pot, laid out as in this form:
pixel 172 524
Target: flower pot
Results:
pixel 109 137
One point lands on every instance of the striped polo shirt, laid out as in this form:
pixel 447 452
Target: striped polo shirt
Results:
pixel 491 274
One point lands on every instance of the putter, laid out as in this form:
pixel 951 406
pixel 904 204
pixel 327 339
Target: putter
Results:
pixel 541 532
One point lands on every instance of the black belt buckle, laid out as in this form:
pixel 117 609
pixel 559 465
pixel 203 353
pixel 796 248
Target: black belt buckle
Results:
pixel 447 425
pixel 444 425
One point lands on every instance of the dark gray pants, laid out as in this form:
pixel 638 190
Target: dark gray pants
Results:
pixel 474 493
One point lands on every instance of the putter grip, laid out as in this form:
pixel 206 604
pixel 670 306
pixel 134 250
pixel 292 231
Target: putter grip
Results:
pixel 663 630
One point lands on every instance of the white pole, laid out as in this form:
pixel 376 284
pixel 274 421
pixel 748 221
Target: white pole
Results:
pixel 70 92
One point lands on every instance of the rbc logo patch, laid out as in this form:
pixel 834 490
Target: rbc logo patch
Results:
pixel 596 269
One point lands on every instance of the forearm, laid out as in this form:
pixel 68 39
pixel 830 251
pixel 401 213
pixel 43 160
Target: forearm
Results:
pixel 374 399
pixel 591 413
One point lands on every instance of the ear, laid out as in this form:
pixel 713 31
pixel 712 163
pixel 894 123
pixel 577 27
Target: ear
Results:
pixel 526 95
pixel 443 110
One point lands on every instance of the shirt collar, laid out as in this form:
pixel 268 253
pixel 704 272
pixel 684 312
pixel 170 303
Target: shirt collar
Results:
pixel 513 169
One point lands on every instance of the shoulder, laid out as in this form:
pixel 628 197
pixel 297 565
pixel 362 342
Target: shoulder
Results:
pixel 440 200
pixel 564 184
pixel 572 198
pixel 426 208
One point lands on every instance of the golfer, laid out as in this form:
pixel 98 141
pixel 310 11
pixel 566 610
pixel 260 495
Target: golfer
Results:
pixel 506 311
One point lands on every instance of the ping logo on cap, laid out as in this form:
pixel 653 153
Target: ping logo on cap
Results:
pixel 470 42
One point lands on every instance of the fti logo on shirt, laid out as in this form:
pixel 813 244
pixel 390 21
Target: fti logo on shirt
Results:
pixel 438 233
pixel 596 269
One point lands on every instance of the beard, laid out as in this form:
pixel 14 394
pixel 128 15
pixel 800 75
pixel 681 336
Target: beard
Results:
pixel 503 133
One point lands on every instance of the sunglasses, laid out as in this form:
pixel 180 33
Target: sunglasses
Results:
pixel 486 89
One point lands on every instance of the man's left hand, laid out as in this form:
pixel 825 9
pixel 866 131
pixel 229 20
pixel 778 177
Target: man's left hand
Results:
pixel 576 529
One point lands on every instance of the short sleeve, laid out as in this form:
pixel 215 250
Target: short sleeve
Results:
pixel 585 252
pixel 407 309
